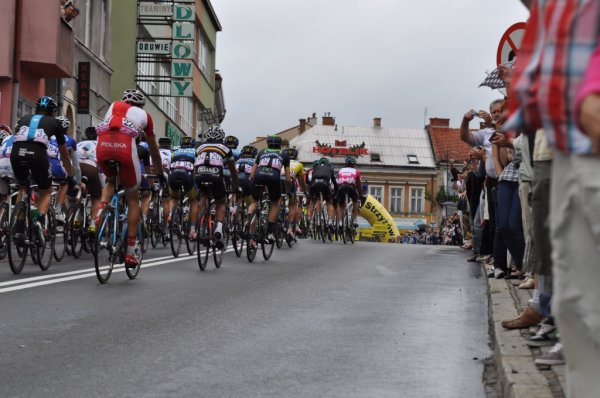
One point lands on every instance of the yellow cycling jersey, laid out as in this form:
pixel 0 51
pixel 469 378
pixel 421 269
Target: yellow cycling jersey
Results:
pixel 296 169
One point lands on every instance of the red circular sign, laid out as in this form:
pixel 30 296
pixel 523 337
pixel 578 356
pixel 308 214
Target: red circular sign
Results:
pixel 510 42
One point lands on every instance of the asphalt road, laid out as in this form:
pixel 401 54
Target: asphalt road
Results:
pixel 317 320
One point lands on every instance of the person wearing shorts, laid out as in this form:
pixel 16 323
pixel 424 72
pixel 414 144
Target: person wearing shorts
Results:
pixel 349 183
pixel 86 152
pixel 244 167
pixel 297 176
pixel 324 183
pixel 182 175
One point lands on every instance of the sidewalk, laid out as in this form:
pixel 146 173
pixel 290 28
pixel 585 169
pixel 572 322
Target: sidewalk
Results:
pixel 518 376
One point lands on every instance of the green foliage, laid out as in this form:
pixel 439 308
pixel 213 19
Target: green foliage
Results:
pixel 441 197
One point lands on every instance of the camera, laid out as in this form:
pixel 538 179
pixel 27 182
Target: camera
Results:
pixel 475 113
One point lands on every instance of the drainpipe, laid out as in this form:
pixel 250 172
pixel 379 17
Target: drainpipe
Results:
pixel 16 62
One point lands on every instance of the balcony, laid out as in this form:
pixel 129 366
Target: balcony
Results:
pixel 46 41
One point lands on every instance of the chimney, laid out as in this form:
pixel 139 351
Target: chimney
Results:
pixel 313 119
pixel 328 120
pixel 439 122
pixel 302 127
pixel 377 122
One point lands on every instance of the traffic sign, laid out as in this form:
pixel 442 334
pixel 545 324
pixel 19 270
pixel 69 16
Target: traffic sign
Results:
pixel 510 43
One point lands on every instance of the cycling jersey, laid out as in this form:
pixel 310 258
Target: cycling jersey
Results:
pixel 211 158
pixel 244 168
pixel 348 175
pixel 86 151
pixel 270 164
pixel 125 118
pixel 39 128
pixel 5 149
pixel 183 159
pixel 165 156
pixel 58 169
pixel 182 169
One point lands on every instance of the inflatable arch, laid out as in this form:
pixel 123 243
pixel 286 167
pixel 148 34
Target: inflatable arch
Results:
pixel 375 213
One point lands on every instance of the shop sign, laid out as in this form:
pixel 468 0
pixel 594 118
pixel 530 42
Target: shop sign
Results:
pixel 148 9
pixel 154 47
pixel 83 88
pixel 174 134
pixel 340 149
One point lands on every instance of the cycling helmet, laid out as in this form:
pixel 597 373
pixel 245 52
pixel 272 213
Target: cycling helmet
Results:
pixel 188 142
pixel 350 161
pixel 64 122
pixel 214 134
pixel 164 142
pixel 46 103
pixel 5 129
pixel 315 163
pixel 249 151
pixel 3 135
pixel 90 134
pixel 231 142
pixel 323 161
pixel 134 97
pixel 292 153
pixel 274 141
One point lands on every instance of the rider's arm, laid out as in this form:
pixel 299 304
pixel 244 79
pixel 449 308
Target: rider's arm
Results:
pixel 359 186
pixel 253 173
pixel 66 159
pixel 76 168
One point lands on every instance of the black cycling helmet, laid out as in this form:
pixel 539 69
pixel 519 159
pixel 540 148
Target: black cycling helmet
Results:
pixel 315 163
pixel 164 142
pixel 274 141
pixel 45 104
pixel 350 161
pixel 188 142
pixel 292 153
pixel 64 122
pixel 323 161
pixel 249 151
pixel 231 142
pixel 134 97
pixel 90 134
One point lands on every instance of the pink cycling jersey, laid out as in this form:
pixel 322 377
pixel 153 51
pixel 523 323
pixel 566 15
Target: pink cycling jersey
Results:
pixel 348 175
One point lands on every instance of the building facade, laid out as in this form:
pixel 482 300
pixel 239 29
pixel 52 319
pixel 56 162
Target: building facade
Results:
pixel 170 52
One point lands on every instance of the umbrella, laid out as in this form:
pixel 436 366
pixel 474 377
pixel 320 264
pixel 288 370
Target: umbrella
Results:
pixel 493 79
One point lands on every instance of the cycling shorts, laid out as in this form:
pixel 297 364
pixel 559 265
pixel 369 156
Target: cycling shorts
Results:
pixel 349 189
pixel 179 178
pixel 245 184
pixel 320 187
pixel 31 156
pixel 273 187
pixel 94 185
pixel 119 147
pixel 57 169
pixel 213 176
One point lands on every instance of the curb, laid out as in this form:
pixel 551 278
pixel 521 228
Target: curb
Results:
pixel 518 376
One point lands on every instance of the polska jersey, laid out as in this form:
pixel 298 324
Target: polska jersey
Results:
pixel 52 149
pixel 183 159
pixel 39 128
pixel 86 151
pixel 348 175
pixel 211 158
pixel 244 165
pixel 125 118
pixel 271 162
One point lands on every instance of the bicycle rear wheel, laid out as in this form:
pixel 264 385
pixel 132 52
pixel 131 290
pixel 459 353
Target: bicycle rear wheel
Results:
pixel 45 251
pixel 237 234
pixel 75 230
pixel 105 246
pixel 250 249
pixel 132 272
pixel 203 241
pixel 4 230
pixel 17 239
pixel 267 246
pixel 345 226
pixel 175 229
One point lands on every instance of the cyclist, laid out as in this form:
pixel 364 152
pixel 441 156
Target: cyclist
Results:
pixel 297 176
pixel 164 147
pixel 59 174
pixel 123 122
pixel 348 180
pixel 86 152
pixel 6 143
pixel 309 182
pixel 30 154
pixel 211 158
pixel 182 174
pixel 269 164
pixel 244 168
pixel 146 190
pixel 324 182
pixel 232 143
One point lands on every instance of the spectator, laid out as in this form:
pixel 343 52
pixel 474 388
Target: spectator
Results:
pixel 70 11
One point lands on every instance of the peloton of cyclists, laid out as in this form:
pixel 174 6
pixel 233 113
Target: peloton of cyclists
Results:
pixel 86 152
pixel 182 174
pixel 297 175
pixel 324 183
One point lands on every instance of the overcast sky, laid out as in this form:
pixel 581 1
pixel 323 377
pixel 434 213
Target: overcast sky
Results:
pixel 282 60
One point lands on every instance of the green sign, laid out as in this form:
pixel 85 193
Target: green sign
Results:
pixel 173 133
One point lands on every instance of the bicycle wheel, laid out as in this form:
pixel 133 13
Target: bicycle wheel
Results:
pixel 344 234
pixel 288 238
pixel 251 250
pixel 237 234
pixel 17 239
pixel 132 272
pixel 151 220
pixel 218 256
pixel 45 251
pixel 4 230
pixel 175 229
pixel 105 246
pixel 267 246
pixel 203 240
pixel 60 240
pixel 76 232
pixel 189 243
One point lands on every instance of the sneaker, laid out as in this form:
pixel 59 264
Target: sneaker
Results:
pixel 472 259
pixel 546 332
pixel 91 229
pixel 131 261
pixel 60 217
pixel 271 237
pixel 193 235
pixel 529 317
pixel 219 241
pixel 553 357
pixel 498 273
pixel 528 284
pixel 480 259
pixel 39 233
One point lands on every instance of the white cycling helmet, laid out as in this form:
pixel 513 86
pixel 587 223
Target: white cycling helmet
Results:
pixel 64 122
pixel 214 134
pixel 134 97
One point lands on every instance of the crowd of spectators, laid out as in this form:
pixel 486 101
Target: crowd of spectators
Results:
pixel 533 187
pixel 449 232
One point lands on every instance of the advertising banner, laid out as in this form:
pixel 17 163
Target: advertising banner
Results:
pixel 375 213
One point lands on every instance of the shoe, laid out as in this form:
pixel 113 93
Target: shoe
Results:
pixel 480 259
pixel 472 259
pixel 529 317
pixel 193 235
pixel 553 357
pixel 91 229
pixel 498 273
pixel 546 332
pixel 271 237
pixel 219 241
pixel 131 261
pixel 39 233
pixel 60 217
pixel 528 284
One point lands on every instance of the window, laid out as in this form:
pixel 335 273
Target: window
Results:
pixel 375 157
pixel 103 41
pixel 413 159
pixel 204 55
pixel 416 200
pixel 397 201
pixel 186 107
pixel 377 193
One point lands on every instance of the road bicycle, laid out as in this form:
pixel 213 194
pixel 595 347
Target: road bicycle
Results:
pixel 260 220
pixel 239 217
pixel 207 222
pixel 179 226
pixel 111 236
pixel 347 223
pixel 79 218
pixel 155 220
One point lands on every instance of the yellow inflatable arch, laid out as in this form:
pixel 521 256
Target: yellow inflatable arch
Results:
pixel 375 213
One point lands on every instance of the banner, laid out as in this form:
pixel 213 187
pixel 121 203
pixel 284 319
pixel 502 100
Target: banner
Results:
pixel 375 213
pixel 83 88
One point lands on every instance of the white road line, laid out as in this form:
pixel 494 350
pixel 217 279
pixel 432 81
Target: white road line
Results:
pixel 117 269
